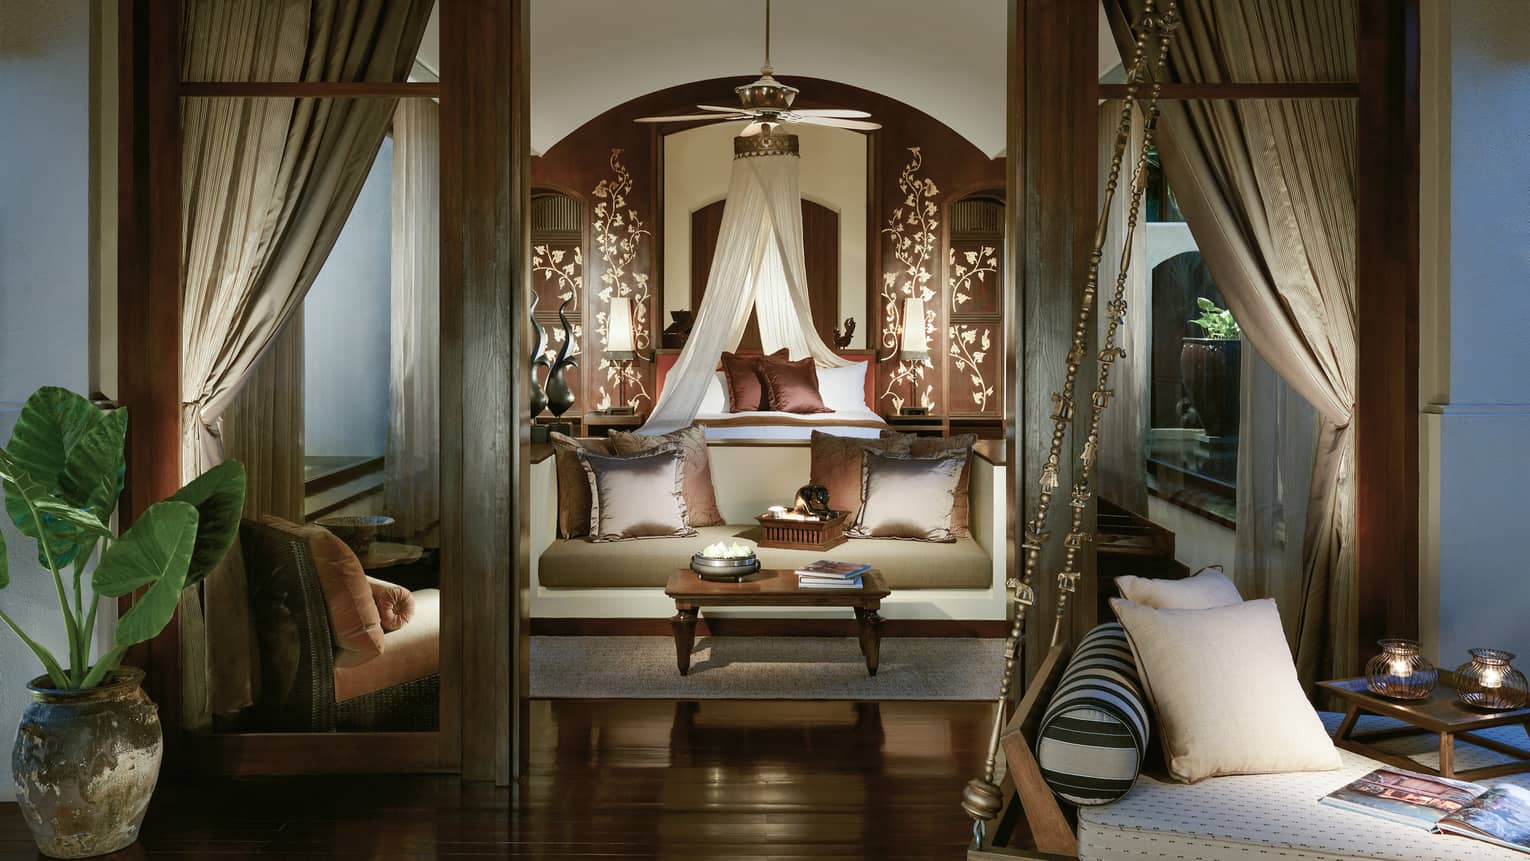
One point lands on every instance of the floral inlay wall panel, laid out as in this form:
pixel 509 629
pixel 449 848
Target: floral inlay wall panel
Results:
pixel 619 236
pixel 911 235
pixel 557 278
pixel 975 305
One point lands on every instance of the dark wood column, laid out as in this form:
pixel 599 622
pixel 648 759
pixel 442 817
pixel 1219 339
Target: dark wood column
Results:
pixel 1386 302
pixel 484 246
pixel 149 291
pixel 1052 208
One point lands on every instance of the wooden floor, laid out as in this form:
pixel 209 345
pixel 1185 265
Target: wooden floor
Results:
pixel 619 779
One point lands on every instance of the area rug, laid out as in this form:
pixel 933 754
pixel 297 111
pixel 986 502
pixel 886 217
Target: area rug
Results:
pixel 766 668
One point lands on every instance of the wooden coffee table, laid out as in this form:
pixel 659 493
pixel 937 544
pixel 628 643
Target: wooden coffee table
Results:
pixel 772 588
pixel 1439 713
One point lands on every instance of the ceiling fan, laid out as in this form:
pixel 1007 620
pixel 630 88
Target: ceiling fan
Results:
pixel 768 104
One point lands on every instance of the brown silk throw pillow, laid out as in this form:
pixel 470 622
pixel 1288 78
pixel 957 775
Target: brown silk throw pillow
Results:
pixel 637 496
pixel 907 497
pixel 793 386
pixel 700 497
pixel 573 486
pixel 746 388
pixel 926 446
pixel 836 465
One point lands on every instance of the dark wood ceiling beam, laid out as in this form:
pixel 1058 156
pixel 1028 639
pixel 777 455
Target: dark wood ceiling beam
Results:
pixel 309 89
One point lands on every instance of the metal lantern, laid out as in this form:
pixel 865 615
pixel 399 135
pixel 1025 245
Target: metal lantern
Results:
pixel 1488 681
pixel 1400 671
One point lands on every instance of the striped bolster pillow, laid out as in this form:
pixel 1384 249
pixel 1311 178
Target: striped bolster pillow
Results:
pixel 1095 730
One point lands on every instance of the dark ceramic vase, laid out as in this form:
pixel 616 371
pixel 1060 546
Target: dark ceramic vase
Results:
pixel 1212 373
pixel 85 764
pixel 538 395
pixel 538 338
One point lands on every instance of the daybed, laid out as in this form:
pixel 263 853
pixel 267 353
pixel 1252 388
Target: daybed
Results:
pixel 302 689
pixel 577 578
pixel 1278 815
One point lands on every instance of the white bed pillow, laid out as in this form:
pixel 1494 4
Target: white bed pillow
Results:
pixel 1207 588
pixel 1224 688
pixel 714 401
pixel 843 389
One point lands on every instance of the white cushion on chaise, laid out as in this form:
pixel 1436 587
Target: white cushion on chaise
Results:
pixel 1270 816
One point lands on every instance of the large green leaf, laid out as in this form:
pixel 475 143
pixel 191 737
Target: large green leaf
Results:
pixel 155 552
pixel 73 451
pixel 62 520
pixel 5 563
pixel 218 495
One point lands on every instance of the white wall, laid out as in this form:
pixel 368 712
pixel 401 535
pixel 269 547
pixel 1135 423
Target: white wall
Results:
pixel 346 336
pixel 697 166
pixel 45 244
pixel 1475 310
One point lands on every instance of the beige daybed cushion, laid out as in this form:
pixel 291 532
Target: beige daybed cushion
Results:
pixel 577 563
pixel 1270 816
pixel 411 652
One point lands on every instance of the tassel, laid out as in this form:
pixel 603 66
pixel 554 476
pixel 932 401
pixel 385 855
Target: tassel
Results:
pixel 1088 456
pixel 1049 477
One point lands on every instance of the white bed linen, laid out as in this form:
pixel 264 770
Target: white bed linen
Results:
pixel 1278 815
pixel 778 425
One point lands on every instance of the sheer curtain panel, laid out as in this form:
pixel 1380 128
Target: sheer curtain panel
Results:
pixel 267 185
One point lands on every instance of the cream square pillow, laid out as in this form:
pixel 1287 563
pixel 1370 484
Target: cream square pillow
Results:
pixel 1225 690
pixel 1207 588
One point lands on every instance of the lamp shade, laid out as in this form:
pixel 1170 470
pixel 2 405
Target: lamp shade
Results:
pixel 916 342
pixel 619 338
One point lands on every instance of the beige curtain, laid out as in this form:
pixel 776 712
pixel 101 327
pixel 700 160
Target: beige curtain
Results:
pixel 263 428
pixel 267 185
pixel 1268 188
pixel 1124 427
pixel 412 486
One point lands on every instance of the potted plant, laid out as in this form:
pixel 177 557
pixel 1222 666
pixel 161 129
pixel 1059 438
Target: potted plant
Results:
pixel 88 750
pixel 1211 367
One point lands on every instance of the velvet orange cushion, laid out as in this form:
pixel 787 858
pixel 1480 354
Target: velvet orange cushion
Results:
pixel 793 386
pixel 395 604
pixel 746 388
pixel 354 620
pixel 414 652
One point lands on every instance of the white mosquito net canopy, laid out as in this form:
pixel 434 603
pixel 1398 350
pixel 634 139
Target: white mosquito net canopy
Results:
pixel 758 266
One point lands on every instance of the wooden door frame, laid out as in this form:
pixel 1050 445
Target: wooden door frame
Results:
pixel 484 105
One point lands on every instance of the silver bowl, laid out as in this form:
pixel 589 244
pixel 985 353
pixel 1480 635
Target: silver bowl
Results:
pixel 733 570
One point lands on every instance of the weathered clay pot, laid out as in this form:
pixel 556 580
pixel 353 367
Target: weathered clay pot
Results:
pixel 1211 372
pixel 85 764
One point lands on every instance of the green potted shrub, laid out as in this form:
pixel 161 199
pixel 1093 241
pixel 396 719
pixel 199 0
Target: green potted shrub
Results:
pixel 88 749
pixel 1211 368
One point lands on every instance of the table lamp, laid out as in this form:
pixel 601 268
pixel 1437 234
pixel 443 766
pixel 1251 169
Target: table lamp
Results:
pixel 621 347
pixel 915 350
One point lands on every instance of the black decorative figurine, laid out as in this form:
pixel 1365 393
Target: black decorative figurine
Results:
pixel 538 358
pixel 559 397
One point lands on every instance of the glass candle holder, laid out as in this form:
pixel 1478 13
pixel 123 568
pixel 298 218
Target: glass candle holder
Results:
pixel 1400 671
pixel 1488 681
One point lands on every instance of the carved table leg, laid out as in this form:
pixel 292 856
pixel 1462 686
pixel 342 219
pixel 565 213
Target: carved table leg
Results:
pixel 871 637
pixel 684 625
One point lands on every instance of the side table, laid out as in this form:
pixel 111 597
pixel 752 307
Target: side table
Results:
pixel 601 424
pixel 1439 713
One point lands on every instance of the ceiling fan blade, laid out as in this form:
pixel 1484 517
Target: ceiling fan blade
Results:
pixel 721 109
pixel 690 118
pixel 839 113
pixel 839 123
pixel 752 129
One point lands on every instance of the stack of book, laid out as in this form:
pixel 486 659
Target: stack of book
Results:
pixel 828 574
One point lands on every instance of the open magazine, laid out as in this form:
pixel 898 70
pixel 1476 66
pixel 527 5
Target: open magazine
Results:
pixel 1499 815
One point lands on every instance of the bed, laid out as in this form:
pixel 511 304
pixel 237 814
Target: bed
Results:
pixel 847 391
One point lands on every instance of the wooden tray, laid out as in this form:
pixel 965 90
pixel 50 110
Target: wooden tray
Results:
pixel 803 534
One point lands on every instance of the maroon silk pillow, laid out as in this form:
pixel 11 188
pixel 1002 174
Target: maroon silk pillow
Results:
pixel 746 388
pixel 793 386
